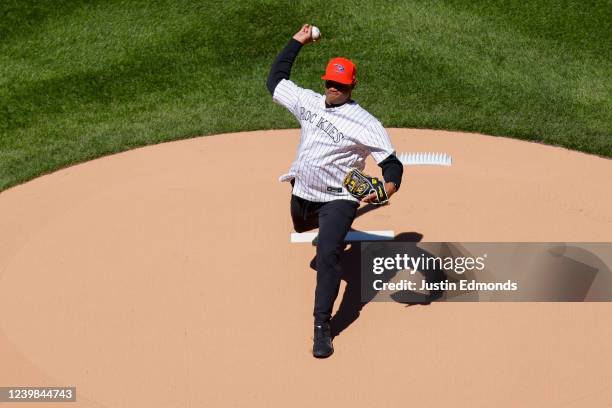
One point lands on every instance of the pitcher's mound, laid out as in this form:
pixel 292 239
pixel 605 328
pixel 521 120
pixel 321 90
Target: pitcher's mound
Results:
pixel 164 276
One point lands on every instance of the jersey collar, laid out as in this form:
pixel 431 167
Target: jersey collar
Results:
pixel 331 108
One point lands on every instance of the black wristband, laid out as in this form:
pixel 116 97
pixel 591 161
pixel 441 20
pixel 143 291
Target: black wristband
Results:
pixel 393 170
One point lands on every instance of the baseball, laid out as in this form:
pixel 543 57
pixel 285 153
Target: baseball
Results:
pixel 315 34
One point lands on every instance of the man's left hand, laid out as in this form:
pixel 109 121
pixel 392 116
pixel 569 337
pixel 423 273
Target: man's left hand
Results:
pixel 389 188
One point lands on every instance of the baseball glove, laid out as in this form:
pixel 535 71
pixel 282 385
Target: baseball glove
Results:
pixel 361 185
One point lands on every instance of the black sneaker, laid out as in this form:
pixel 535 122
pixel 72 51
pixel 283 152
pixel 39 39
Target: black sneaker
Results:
pixel 322 345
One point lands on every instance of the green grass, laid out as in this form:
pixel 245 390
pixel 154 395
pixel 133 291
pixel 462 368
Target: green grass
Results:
pixel 82 79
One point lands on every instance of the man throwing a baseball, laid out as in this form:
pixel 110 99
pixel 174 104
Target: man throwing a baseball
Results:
pixel 337 135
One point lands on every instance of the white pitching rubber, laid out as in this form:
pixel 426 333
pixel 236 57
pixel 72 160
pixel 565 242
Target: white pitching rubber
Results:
pixel 352 236
pixel 425 159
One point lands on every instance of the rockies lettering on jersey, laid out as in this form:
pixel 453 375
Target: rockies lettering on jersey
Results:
pixel 332 141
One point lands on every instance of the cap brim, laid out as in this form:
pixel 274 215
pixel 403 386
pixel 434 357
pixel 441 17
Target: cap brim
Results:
pixel 339 79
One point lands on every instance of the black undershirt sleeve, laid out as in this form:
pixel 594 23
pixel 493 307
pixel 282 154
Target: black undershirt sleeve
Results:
pixel 392 170
pixel 281 67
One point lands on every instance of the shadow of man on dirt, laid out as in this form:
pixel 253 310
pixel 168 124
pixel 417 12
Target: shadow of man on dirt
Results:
pixel 357 294
pixel 367 208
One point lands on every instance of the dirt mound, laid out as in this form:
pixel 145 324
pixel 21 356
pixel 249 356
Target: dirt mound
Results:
pixel 133 280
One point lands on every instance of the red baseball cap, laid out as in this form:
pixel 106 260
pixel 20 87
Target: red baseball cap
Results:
pixel 340 70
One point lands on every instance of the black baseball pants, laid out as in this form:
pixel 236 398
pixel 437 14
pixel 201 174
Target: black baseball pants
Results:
pixel 334 219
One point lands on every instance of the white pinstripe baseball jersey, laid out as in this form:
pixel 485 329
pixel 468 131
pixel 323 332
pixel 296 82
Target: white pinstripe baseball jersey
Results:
pixel 332 141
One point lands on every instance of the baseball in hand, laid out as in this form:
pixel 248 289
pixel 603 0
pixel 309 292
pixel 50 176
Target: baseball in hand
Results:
pixel 315 33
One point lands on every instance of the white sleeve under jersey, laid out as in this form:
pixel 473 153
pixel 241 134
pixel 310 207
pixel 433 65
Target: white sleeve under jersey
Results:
pixel 332 141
